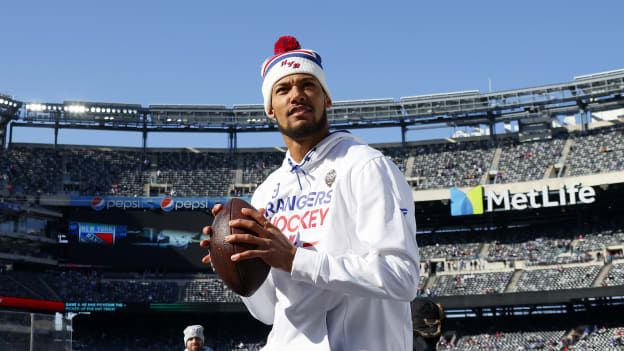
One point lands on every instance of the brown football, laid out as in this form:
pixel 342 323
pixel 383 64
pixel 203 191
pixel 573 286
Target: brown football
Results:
pixel 243 277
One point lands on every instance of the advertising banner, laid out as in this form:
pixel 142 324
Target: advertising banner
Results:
pixel 166 204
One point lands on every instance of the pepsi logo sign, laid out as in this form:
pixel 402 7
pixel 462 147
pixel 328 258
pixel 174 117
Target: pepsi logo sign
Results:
pixel 167 204
pixel 98 203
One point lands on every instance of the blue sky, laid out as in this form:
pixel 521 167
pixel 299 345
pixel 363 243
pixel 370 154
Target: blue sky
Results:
pixel 210 52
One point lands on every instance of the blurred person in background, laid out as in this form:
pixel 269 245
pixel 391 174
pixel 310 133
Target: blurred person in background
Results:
pixel 194 338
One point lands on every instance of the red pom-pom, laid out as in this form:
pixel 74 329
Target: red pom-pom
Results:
pixel 286 44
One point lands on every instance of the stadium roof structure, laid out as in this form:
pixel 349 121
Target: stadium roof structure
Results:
pixel 593 92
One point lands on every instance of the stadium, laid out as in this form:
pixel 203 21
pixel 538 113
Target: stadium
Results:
pixel 519 215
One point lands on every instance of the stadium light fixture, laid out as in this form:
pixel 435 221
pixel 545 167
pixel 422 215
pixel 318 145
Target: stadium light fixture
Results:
pixel 98 109
pixel 6 101
pixel 35 107
pixel 75 108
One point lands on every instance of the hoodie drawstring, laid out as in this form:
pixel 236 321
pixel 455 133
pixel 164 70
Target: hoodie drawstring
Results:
pixel 295 168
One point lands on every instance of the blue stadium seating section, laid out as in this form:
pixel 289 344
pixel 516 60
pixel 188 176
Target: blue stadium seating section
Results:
pixel 434 165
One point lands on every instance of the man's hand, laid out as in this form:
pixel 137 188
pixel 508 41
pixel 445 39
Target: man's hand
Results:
pixel 272 245
pixel 207 231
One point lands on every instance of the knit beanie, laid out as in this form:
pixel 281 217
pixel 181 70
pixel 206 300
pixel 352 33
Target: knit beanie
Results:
pixel 193 331
pixel 290 59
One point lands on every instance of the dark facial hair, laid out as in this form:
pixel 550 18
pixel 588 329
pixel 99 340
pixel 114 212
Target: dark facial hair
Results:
pixel 305 130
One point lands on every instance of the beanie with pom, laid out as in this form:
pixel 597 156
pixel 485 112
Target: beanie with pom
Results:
pixel 290 59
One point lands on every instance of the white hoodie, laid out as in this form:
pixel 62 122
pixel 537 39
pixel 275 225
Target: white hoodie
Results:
pixel 350 213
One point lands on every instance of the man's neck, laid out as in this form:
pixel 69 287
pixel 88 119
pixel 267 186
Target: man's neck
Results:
pixel 300 147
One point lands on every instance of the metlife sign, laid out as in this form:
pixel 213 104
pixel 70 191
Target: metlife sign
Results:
pixel 167 204
pixel 473 202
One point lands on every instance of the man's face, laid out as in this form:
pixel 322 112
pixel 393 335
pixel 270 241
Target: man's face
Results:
pixel 194 344
pixel 299 105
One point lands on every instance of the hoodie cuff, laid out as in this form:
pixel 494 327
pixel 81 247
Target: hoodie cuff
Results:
pixel 307 265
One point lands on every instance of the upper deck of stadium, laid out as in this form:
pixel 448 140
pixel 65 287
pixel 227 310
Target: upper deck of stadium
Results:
pixel 542 141
pixel 431 166
pixel 530 107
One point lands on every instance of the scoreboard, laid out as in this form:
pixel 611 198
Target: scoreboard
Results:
pixel 95 233
pixel 134 238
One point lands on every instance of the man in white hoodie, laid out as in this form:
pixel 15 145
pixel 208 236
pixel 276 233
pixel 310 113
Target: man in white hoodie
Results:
pixel 336 223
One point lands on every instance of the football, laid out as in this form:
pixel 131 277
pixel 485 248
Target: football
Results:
pixel 243 277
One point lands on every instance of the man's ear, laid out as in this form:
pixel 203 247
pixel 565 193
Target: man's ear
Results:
pixel 328 102
pixel 271 113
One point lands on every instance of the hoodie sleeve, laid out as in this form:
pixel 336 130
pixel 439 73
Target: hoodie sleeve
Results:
pixel 261 304
pixel 384 223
